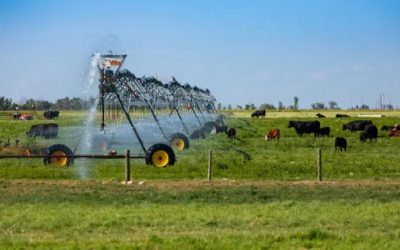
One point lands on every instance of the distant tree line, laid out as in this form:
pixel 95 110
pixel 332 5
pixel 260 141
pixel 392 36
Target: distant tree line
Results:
pixel 295 106
pixel 65 103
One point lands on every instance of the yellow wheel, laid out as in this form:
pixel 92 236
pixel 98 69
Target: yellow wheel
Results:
pixel 58 156
pixel 160 155
pixel 59 159
pixel 179 141
pixel 160 158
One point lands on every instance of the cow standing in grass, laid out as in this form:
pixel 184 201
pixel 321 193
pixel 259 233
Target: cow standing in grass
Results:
pixel 358 125
pixel 274 133
pixel 46 131
pixel 370 132
pixel 340 143
pixel 258 113
pixel 302 127
pixel 325 131
pixel 221 129
pixel 51 114
pixel 231 133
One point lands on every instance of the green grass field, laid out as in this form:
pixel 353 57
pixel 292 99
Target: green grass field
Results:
pixel 263 194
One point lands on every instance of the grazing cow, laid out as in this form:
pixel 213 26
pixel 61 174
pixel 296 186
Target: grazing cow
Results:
pixel 197 134
pixel 258 113
pixel 272 134
pixel 231 133
pixel 221 129
pixel 340 143
pixel 370 132
pixel 51 114
pixel 46 131
pixel 358 125
pixel 341 116
pixel 320 115
pixel 325 131
pixel 394 133
pixel 386 128
pixel 305 127
pixel 208 127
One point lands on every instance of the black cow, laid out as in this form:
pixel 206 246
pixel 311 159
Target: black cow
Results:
pixel 197 134
pixel 208 127
pixel 258 113
pixel 340 143
pixel 46 131
pixel 358 125
pixel 320 115
pixel 221 129
pixel 305 127
pixel 370 132
pixel 341 116
pixel 231 133
pixel 325 131
pixel 387 128
pixel 51 114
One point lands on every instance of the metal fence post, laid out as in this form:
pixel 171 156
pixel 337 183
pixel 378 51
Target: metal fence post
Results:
pixel 209 164
pixel 127 166
pixel 319 164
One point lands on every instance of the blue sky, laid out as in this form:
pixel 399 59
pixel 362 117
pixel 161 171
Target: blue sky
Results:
pixel 243 51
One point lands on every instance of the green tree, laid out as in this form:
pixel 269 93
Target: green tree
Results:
pixel 318 105
pixel 333 105
pixel 267 106
pixel 280 105
pixel 296 103
pixel 5 103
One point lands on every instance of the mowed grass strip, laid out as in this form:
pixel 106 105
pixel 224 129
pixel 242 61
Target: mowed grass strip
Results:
pixel 197 215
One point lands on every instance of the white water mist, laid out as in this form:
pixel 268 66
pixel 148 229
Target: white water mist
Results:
pixel 86 137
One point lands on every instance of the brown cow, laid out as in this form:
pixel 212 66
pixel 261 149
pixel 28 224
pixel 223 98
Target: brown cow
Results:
pixel 272 134
pixel 394 133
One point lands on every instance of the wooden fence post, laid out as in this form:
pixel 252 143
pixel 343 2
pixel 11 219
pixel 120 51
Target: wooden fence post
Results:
pixel 319 164
pixel 127 166
pixel 209 164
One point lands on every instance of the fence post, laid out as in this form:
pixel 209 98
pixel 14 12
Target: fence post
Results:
pixel 127 166
pixel 209 164
pixel 319 164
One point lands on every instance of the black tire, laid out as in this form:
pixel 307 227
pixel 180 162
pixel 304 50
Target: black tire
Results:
pixel 63 160
pixel 179 141
pixel 166 155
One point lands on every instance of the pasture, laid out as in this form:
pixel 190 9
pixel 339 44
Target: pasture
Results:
pixel 263 193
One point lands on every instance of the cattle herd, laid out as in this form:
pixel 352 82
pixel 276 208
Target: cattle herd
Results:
pixel 368 130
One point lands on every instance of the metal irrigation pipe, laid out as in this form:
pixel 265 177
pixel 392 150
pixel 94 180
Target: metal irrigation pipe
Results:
pixel 72 156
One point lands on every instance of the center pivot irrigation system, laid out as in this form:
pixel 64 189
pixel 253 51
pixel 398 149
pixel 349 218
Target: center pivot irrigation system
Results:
pixel 128 91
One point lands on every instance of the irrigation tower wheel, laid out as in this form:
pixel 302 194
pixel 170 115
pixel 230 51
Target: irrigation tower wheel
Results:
pixel 160 155
pixel 179 141
pixel 59 156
